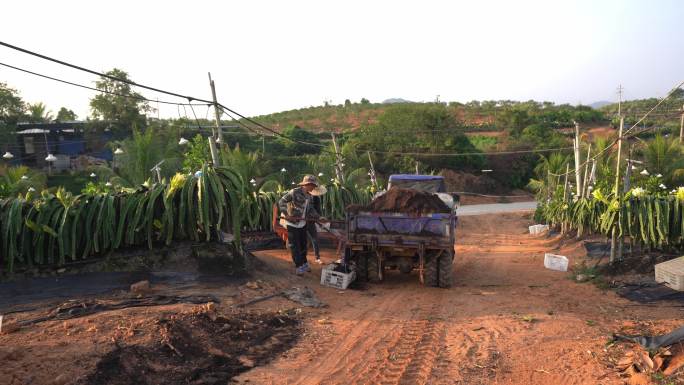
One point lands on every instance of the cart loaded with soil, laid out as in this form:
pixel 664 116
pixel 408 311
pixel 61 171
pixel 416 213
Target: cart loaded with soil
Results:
pixel 409 227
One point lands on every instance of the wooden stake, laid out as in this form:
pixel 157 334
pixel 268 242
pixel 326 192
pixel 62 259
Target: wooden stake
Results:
pixel 681 126
pixel 585 182
pixel 216 132
pixel 578 177
pixel 615 254
pixel 339 172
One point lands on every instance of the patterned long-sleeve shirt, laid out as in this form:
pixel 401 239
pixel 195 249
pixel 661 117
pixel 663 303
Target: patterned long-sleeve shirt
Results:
pixel 297 203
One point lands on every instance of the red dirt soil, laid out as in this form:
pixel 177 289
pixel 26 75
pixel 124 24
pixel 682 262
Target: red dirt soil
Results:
pixel 507 320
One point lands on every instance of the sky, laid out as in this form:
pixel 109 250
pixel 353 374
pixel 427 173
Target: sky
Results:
pixel 269 56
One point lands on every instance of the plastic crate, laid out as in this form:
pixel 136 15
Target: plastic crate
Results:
pixel 336 279
pixel 671 273
pixel 555 262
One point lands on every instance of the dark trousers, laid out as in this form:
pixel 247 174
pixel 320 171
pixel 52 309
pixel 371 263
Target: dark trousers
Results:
pixel 296 240
pixel 312 232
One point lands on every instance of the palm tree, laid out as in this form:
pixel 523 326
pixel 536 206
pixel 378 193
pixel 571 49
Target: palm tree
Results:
pixel 141 153
pixel 38 113
pixel 547 171
pixel 664 156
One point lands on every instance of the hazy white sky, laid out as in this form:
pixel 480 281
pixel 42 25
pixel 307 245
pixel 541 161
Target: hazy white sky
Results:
pixel 269 56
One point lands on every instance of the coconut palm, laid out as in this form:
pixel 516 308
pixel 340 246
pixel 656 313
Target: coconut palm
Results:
pixel 38 113
pixel 664 156
pixel 547 171
pixel 141 153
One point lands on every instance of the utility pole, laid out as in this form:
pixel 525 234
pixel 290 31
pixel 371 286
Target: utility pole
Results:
pixel 216 132
pixel 339 173
pixel 619 92
pixel 615 250
pixel 578 177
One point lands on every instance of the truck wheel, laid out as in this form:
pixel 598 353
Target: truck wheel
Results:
pixel 372 268
pixel 361 266
pixel 446 269
pixel 431 270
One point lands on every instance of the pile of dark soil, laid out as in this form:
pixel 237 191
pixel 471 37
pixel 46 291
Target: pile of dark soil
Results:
pixel 199 348
pixel 403 200
pixel 465 182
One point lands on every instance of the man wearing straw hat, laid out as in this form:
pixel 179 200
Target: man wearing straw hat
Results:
pixel 296 210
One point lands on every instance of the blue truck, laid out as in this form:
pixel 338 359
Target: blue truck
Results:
pixel 380 241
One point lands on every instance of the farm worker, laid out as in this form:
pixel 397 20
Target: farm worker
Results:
pixel 311 226
pixel 296 208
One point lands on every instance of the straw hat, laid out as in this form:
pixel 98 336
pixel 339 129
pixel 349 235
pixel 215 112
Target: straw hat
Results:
pixel 309 179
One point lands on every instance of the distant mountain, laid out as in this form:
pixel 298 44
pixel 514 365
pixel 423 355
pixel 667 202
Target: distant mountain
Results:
pixel 395 101
pixel 599 104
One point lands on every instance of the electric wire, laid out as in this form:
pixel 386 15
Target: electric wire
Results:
pixel 88 87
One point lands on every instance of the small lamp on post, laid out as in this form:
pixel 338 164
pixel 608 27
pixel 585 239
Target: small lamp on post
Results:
pixel 50 158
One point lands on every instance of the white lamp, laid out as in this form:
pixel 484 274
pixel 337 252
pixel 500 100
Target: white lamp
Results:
pixel 92 175
pixel 50 158
pixel 182 141
pixel 8 155
pixel 118 151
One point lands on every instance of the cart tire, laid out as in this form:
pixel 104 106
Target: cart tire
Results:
pixel 361 260
pixel 431 270
pixel 372 268
pixel 446 270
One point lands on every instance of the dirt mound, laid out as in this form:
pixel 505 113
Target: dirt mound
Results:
pixel 465 182
pixel 404 201
pixel 199 348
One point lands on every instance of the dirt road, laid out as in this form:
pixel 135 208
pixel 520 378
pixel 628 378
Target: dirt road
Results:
pixel 507 321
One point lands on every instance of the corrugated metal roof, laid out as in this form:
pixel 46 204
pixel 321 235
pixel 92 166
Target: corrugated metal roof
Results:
pixel 33 131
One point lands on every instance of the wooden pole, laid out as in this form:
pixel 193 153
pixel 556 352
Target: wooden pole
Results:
pixel 681 126
pixel 374 179
pixel 615 254
pixel 565 193
pixel 339 173
pixel 216 132
pixel 214 151
pixel 578 177
pixel 585 182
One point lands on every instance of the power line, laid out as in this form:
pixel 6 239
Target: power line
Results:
pixel 90 88
pixel 624 134
pixel 130 82
pixel 491 153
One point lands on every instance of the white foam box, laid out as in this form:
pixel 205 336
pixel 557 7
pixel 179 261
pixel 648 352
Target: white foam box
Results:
pixel 555 262
pixel 538 229
pixel 671 273
pixel 336 279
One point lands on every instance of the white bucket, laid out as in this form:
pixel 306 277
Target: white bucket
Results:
pixel 555 262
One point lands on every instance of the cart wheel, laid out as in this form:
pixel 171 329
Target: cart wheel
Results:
pixel 372 269
pixel 361 261
pixel 446 269
pixel 431 270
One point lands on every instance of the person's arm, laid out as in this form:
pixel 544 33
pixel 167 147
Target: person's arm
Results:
pixel 282 203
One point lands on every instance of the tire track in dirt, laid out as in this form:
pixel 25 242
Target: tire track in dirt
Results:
pixel 404 356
